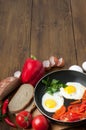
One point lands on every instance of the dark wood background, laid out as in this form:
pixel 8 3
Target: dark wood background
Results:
pixel 42 28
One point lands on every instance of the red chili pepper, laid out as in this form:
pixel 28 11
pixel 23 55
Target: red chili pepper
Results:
pixel 32 71
pixel 4 111
pixel 4 107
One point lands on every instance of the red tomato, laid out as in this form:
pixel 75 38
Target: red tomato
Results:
pixel 23 119
pixel 40 123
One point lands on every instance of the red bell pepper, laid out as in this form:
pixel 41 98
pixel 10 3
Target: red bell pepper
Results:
pixel 32 71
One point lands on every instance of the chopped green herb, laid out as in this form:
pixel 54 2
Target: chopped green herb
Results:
pixel 53 85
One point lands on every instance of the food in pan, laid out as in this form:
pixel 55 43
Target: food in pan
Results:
pixel 21 99
pixel 54 102
pixel 73 90
pixel 51 103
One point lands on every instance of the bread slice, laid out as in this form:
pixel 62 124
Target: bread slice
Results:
pixel 7 85
pixel 21 98
pixel 30 107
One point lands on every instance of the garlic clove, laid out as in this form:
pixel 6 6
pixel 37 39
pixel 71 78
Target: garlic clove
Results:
pixel 84 65
pixel 61 62
pixel 46 64
pixel 76 68
pixel 53 61
pixel 17 74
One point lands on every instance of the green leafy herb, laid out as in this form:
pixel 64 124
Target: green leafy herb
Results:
pixel 53 85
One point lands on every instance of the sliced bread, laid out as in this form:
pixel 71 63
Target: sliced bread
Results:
pixel 21 99
pixel 30 107
pixel 7 85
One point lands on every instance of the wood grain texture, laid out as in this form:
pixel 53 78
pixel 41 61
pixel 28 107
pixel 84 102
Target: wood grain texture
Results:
pixel 79 22
pixel 42 28
pixel 15 21
pixel 52 30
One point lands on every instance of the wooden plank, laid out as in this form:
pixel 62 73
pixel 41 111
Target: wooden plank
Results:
pixel 49 29
pixel 15 21
pixel 52 34
pixel 79 21
pixel 52 30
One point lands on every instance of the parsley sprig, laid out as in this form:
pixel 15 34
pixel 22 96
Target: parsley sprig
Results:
pixel 53 85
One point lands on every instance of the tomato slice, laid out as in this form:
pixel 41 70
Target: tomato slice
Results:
pixel 59 112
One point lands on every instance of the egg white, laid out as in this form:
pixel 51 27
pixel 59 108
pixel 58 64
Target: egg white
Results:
pixel 56 97
pixel 80 89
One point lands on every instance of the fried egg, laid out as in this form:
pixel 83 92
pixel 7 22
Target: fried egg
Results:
pixel 74 90
pixel 51 103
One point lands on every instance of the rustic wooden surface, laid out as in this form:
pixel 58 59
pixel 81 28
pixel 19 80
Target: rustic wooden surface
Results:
pixel 42 28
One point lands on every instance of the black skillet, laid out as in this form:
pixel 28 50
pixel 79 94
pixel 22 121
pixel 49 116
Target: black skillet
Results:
pixel 64 76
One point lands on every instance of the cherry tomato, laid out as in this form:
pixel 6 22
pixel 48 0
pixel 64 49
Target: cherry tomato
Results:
pixel 40 123
pixel 24 119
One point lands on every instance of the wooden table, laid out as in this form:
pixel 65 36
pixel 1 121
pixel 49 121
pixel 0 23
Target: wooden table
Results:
pixel 42 28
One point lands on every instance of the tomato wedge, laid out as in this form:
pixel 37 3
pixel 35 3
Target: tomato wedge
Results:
pixel 59 112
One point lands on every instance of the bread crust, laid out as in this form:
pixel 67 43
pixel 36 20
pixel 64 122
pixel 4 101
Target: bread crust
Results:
pixel 31 107
pixel 24 99
pixel 8 85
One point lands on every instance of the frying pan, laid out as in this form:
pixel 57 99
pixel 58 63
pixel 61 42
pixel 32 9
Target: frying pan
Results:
pixel 64 76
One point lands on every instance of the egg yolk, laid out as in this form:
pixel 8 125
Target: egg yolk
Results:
pixel 50 103
pixel 70 89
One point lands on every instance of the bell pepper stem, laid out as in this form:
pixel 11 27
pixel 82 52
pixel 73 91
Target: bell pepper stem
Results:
pixel 33 57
